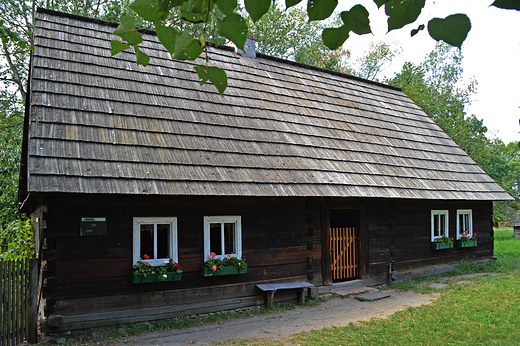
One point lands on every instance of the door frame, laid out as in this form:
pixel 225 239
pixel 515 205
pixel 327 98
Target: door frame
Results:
pixel 326 204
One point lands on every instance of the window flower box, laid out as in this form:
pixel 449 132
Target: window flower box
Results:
pixel 441 246
pixel 468 243
pixel 227 265
pixel 226 270
pixel 443 242
pixel 146 272
pixel 169 276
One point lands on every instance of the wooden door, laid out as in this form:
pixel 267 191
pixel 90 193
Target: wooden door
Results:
pixel 344 253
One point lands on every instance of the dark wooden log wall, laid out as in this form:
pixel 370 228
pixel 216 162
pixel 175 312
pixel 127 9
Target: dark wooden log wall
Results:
pixel 400 231
pixel 278 236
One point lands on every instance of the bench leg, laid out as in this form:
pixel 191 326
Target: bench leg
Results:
pixel 302 295
pixel 270 299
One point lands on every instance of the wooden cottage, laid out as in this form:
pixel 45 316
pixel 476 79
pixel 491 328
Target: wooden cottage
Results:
pixel 307 175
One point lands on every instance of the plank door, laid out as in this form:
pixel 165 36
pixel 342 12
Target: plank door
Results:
pixel 344 253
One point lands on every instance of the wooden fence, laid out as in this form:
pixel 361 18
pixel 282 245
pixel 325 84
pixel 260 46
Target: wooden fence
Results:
pixel 19 280
pixel 13 317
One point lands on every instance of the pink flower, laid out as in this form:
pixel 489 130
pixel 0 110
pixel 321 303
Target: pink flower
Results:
pixel 214 268
pixel 212 255
pixel 228 256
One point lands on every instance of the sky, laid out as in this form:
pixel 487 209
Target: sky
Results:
pixel 491 55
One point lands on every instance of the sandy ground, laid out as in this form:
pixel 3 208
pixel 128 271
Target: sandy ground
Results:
pixel 336 311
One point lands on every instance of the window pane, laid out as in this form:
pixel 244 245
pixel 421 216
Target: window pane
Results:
pixel 215 236
pixel 442 225
pixel 163 241
pixel 229 238
pixel 466 222
pixel 147 241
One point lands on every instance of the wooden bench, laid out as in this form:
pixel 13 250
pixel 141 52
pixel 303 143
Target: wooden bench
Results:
pixel 270 290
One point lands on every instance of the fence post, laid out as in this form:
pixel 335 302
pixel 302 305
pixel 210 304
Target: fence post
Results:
pixel 33 293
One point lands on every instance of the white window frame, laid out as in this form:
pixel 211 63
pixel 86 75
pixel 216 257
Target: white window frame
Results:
pixel 446 223
pixel 236 219
pixel 470 221
pixel 172 221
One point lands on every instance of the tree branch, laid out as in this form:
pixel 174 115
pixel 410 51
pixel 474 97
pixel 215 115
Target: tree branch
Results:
pixel 14 71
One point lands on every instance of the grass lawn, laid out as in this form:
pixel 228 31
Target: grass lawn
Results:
pixel 485 311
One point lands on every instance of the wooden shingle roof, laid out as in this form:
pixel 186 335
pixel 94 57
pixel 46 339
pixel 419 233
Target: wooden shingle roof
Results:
pixel 101 124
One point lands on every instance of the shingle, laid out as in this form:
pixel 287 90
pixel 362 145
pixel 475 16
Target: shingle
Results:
pixel 102 124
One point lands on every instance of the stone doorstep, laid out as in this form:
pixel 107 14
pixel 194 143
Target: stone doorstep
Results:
pixel 355 291
pixel 372 296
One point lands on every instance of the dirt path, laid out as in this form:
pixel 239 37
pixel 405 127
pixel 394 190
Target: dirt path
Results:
pixel 336 311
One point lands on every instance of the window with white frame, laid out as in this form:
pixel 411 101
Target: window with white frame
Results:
pixel 439 224
pixel 155 237
pixel 464 223
pixel 222 235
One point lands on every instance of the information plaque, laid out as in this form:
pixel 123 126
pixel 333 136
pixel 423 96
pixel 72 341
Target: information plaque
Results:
pixel 93 226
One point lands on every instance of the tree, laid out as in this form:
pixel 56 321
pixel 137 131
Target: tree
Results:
pixel 435 86
pixel 378 56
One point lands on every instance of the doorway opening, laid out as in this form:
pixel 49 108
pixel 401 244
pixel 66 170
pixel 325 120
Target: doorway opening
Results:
pixel 344 244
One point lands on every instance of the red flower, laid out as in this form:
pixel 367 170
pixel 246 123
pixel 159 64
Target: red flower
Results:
pixel 145 256
pixel 214 268
pixel 228 256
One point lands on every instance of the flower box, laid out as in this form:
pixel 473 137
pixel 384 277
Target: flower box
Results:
pixel 469 243
pixel 227 270
pixel 170 276
pixel 440 246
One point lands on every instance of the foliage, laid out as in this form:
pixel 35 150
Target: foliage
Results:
pixel 18 235
pixel 444 240
pixel 464 237
pixel 435 86
pixel 215 263
pixel 375 60
pixel 144 268
pixel 221 17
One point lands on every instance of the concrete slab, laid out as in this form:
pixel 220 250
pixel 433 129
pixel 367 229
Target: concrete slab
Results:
pixel 373 296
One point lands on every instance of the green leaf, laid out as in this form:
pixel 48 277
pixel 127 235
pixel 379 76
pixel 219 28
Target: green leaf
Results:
pixel 380 3
pixel 416 31
pixel 357 20
pixel 127 31
pixel 196 11
pixel 117 47
pixel 234 28
pixel 186 47
pixel 147 9
pixel 507 4
pixel 291 3
pixel 167 36
pixel 452 30
pixel 257 8
pixel 227 6
pixel 402 12
pixel 141 57
pixel 216 76
pixel 320 9
pixel 335 37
